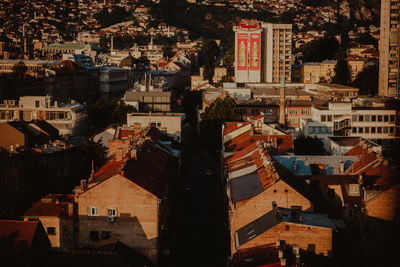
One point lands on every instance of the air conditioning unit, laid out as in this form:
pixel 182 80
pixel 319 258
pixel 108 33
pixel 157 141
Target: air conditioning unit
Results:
pixel 111 219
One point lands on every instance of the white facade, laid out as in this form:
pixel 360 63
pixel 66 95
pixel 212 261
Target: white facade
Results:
pixel 67 118
pixel 171 123
pixel 346 119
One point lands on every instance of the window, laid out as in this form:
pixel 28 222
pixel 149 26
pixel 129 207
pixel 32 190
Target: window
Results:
pixel 323 130
pixel 360 129
pixel 293 121
pixel 366 130
pixel 354 130
pixel 386 118
pixel 379 129
pixel 310 130
pixel 329 117
pixel 287 227
pixel 354 117
pixel 391 129
pixel 373 130
pixel 392 118
pixel 367 117
pixel 323 117
pixel 37 103
pixel 94 235
pixel 93 211
pixel 112 212
pixel 305 111
pixel 373 118
pixel 360 118
pixel 385 130
pixel 268 111
pixel 293 111
pixel 255 112
pixel 354 189
pixel 379 117
pixel 105 235
pixel 51 231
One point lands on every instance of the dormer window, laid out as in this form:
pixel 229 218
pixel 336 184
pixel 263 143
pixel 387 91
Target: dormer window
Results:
pixel 354 189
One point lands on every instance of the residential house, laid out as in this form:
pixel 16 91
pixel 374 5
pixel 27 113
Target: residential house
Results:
pixel 57 213
pixel 127 198
pixel 306 230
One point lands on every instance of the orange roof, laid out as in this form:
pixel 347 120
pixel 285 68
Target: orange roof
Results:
pixel 232 126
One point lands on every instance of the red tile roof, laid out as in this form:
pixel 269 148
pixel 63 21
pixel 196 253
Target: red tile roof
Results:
pixel 232 126
pixel 51 205
pixel 18 235
pixel 284 142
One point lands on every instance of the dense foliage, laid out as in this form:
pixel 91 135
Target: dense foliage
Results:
pixel 212 52
pixel 367 80
pixel 342 73
pixel 307 145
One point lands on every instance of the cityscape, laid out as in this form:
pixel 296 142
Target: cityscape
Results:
pixel 227 133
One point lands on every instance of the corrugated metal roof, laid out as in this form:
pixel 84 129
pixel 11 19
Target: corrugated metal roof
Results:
pixel 331 163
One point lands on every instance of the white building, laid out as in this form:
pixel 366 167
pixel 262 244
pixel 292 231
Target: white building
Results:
pixel 372 122
pixel 170 123
pixel 67 118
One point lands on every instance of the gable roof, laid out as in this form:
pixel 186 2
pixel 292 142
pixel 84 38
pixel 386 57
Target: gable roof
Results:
pixel 19 235
pixel 51 205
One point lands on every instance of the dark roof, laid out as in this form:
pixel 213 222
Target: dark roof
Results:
pixel 256 228
pixel 46 127
pixel 51 205
pixel 345 140
pixel 17 236
pixel 245 187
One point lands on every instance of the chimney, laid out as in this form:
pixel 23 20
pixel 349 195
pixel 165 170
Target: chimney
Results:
pixel 295 214
pixel 307 185
pixel 360 179
pixel 133 154
pixel 118 154
pixel 83 184
pixel 274 205
pixel 294 166
pixel 70 209
pixel 341 167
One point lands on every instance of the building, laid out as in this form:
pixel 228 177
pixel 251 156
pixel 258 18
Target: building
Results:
pixel 266 107
pixel 156 100
pixel 309 231
pixel 57 213
pixel 21 237
pixel 389 55
pixel 34 68
pixel 67 118
pixel 171 123
pixel 21 135
pixel 113 81
pixel 127 198
pixel 296 110
pixel 71 48
pixel 262 51
pixel 374 122
pixel 315 72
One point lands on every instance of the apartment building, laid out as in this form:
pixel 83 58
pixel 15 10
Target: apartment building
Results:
pixel 262 51
pixel 67 118
pixel 389 54
pixel 373 122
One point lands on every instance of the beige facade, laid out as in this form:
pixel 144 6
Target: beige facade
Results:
pixel 355 66
pixel 315 72
pixel 389 49
pixel 135 220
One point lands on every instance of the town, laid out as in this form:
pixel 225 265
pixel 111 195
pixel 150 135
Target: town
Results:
pixel 199 132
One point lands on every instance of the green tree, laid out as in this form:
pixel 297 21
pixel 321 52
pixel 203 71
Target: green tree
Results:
pixel 229 57
pixel 212 52
pixel 221 110
pixel 320 49
pixel 167 51
pixel 342 72
pixel 307 145
pixel 367 80
pixel 20 69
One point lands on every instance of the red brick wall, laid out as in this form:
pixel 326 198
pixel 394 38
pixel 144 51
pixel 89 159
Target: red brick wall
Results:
pixel 301 235
pixel 385 205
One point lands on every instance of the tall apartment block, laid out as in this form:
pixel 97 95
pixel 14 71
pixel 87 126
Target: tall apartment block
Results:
pixel 263 51
pixel 389 49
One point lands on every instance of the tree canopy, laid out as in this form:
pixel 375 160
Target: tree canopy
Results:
pixel 320 49
pixel 212 52
pixel 307 145
pixel 367 80
pixel 342 73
